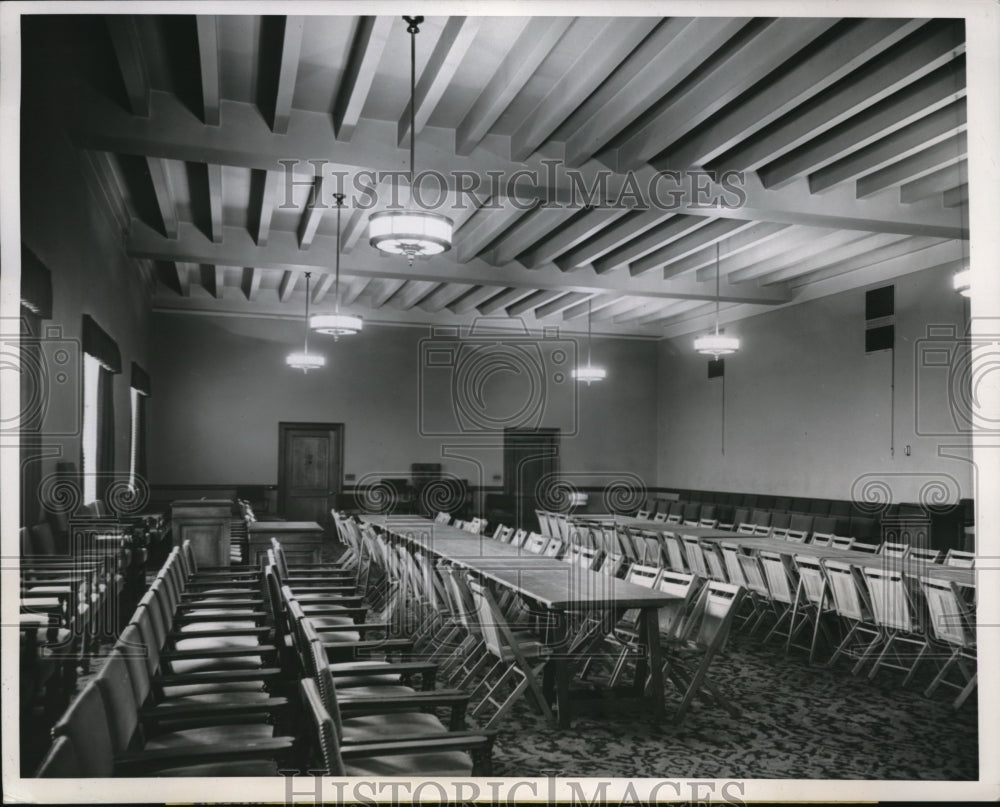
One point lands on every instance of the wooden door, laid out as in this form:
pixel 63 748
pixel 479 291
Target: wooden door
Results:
pixel 530 459
pixel 310 470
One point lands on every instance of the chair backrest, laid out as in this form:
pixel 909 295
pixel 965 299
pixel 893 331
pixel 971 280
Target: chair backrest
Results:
pixel 711 523
pixel 543 523
pixel 518 538
pixel 841 542
pixel 554 548
pixel 730 555
pixel 675 551
pixel 796 536
pixel 583 556
pixel 695 557
pixel 777 576
pixel 741 515
pixel 811 579
pixel 498 532
pixel 327 743
pixel 849 597
pixel 753 575
pixel 894 550
pixel 712 616
pixel 536 543
pixel 61 761
pixel 119 701
pixel 672 615
pixel 762 518
pixel 641 575
pixel 139 658
pixel 649 546
pixel 889 599
pixel 960 559
pixel 674 518
pixel 713 561
pixel 442 518
pixel 821 538
pixel 643 514
pixel 660 517
pixel 949 616
pixel 871 549
pixel 745 529
pixel 492 624
pixel 85 722
pixel 626 544
pixel 611 564
pixel 925 555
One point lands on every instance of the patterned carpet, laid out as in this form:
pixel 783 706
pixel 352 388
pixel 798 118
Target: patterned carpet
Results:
pixel 796 722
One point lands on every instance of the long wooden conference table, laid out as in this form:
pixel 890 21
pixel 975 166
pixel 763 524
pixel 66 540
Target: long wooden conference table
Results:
pixel 554 585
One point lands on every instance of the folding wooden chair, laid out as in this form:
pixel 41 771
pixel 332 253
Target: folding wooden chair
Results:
pixel 850 601
pixel 694 555
pixel 517 667
pixel 893 550
pixel 960 559
pixel 952 626
pixel 704 637
pixel 821 538
pixel 894 613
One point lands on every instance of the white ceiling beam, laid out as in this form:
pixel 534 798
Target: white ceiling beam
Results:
pixel 289 279
pixel 910 104
pixel 814 248
pixel 957 196
pixel 312 215
pixel 617 308
pixel 663 61
pixel 183 270
pixel 560 304
pixel 218 282
pixel 618 38
pixel 251 283
pixel 945 153
pixel 286 71
pixel 853 256
pixel 163 189
pixel 483 227
pixel 929 130
pixel 711 233
pixel 322 288
pixel 505 298
pixel 102 174
pixel 658 237
pixel 215 200
pixel 585 227
pixel 765 236
pixel 282 252
pixel 412 293
pixel 452 45
pixel 366 52
pixel 592 304
pixel 125 40
pixel 828 62
pixel 747 60
pixel 527 231
pixel 936 44
pixel 208 61
pixel 613 238
pixel 539 36
pixel 269 185
pixel 472 299
pixel 443 296
pixel 245 140
pixel 352 290
pixel 932 184
pixel 382 291
pixel 532 302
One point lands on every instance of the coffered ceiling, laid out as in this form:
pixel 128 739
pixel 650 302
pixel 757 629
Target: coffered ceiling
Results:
pixel 848 137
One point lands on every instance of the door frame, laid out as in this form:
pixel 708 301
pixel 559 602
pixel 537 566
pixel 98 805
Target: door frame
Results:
pixel 547 436
pixel 284 427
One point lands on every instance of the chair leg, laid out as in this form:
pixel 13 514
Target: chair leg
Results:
pixel 890 640
pixel 866 653
pixel 916 662
pixel 966 691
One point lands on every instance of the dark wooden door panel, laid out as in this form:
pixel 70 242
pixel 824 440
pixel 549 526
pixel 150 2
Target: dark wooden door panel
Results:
pixel 310 470
pixel 531 459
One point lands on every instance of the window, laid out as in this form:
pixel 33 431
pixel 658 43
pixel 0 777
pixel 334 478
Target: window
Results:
pixel 137 451
pixel 91 421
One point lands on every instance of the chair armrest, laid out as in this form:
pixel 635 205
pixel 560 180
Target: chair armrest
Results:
pixel 209 603
pixel 264 630
pixel 207 713
pixel 452 741
pixel 219 652
pixel 249 616
pixel 217 677
pixel 136 763
pixel 334 610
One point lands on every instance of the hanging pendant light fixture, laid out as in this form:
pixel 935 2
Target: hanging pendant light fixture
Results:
pixel 305 361
pixel 716 344
pixel 336 324
pixel 589 373
pixel 413 233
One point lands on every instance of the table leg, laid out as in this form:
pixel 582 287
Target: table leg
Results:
pixel 561 671
pixel 654 653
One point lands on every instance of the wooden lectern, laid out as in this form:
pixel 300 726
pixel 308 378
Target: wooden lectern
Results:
pixel 205 523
